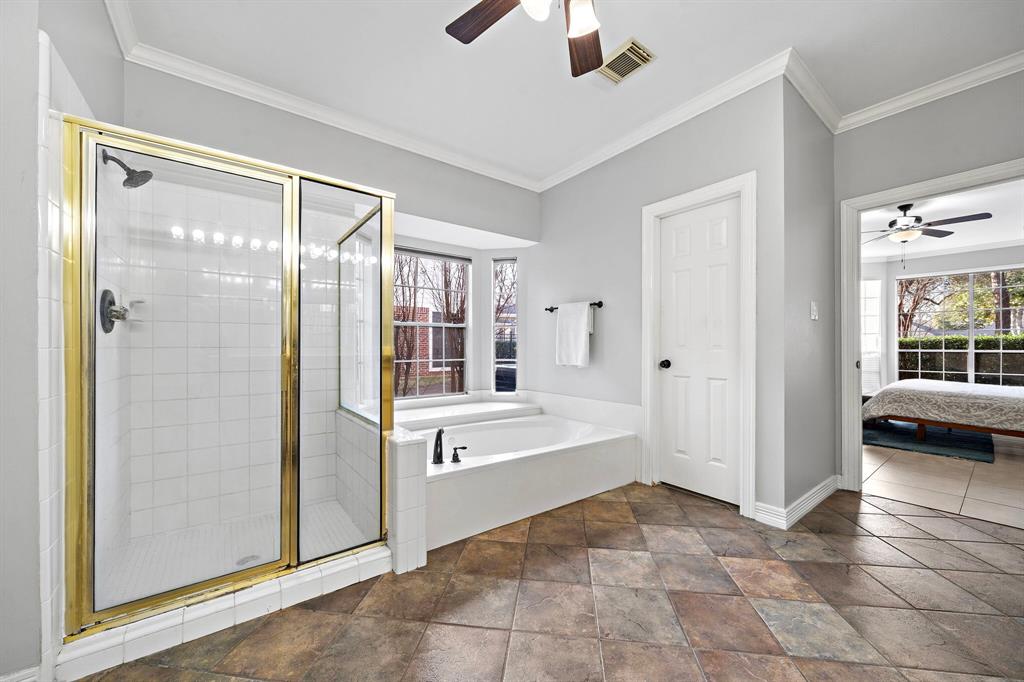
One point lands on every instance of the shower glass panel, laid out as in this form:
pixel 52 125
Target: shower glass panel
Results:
pixel 340 446
pixel 187 437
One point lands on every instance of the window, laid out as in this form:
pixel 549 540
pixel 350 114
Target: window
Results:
pixel 431 300
pixel 871 335
pixel 505 290
pixel 964 327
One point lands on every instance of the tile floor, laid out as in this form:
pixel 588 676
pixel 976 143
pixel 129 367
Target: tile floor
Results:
pixel 644 583
pixel 992 492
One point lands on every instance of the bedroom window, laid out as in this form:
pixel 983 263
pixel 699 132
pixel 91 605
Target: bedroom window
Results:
pixel 871 335
pixel 966 327
pixel 504 297
pixel 431 300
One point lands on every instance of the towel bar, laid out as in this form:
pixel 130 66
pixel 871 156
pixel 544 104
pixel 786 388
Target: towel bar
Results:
pixel 596 304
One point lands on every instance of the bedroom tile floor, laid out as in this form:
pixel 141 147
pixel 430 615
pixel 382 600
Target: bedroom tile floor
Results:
pixel 652 583
pixel 991 492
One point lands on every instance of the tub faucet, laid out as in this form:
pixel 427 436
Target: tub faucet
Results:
pixel 438 452
pixel 455 454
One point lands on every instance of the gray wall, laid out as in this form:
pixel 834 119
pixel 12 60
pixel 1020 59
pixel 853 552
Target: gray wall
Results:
pixel 590 249
pixel 20 633
pixel 81 32
pixel 174 107
pixel 811 351
pixel 974 128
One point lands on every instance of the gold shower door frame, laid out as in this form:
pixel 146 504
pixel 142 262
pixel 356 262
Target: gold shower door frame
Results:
pixel 81 137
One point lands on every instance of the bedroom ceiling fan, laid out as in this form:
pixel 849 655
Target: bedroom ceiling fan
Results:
pixel 907 228
pixel 580 22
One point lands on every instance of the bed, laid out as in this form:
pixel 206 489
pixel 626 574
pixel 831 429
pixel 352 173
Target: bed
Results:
pixel 953 405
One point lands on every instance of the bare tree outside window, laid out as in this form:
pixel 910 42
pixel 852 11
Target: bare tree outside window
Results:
pixel 504 295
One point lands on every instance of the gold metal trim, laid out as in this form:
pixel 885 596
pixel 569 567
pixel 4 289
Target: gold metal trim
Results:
pixel 81 136
pixel 359 223
pixel 387 348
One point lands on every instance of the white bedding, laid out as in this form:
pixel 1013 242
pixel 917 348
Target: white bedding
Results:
pixel 994 407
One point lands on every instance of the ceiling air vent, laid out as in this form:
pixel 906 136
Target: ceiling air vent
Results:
pixel 626 59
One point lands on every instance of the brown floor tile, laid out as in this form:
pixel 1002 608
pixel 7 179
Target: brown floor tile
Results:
pixel 688 500
pixel 868 550
pixel 831 522
pixel 633 661
pixel 908 638
pixel 573 510
pixel 344 600
pixel 636 615
pixel 512 532
pixel 556 530
pixel 938 676
pixel 284 646
pixel 713 621
pixel 996 530
pixel 454 652
pixel 846 502
pixel 443 559
pixel 739 542
pixel 947 529
pixel 614 512
pixel 498 559
pixel 886 526
pixel 658 513
pixel 836 671
pixel 638 492
pixel 731 666
pixel 623 568
pixel 938 554
pixel 1004 592
pixel 901 508
pixel 692 573
pixel 614 495
pixel 534 657
pixel 206 652
pixel 369 649
pixel 996 640
pixel 1009 558
pixel 815 631
pixel 715 517
pixel 769 578
pixel 411 596
pixel 923 588
pixel 674 540
pixel 562 563
pixel 477 600
pixel 556 608
pixel 793 546
pixel 614 535
pixel 847 584
pixel 137 670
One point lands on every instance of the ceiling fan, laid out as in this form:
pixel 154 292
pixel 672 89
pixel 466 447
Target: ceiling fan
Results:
pixel 907 228
pixel 580 22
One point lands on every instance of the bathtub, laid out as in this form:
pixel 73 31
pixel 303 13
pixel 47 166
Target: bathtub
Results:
pixel 461 413
pixel 514 468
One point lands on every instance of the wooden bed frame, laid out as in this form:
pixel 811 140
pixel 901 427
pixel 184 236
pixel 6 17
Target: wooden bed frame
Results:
pixel 922 423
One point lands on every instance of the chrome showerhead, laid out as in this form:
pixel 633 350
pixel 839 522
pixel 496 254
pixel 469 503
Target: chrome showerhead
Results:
pixel 133 178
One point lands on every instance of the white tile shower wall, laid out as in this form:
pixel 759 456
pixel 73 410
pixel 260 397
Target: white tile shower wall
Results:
pixel 358 471
pixel 407 501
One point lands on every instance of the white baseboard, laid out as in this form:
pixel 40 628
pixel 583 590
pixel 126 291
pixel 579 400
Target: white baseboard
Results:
pixel 777 517
pixel 22 675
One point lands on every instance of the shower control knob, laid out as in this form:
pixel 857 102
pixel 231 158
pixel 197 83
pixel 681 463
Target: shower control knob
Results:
pixel 665 364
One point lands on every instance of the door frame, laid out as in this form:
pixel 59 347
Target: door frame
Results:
pixel 849 293
pixel 743 187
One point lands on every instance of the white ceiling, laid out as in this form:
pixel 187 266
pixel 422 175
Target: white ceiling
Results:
pixel 506 103
pixel 1005 229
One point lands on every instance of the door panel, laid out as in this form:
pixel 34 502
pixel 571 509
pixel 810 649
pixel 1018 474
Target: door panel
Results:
pixel 698 442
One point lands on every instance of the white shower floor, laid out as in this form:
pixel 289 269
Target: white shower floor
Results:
pixel 158 563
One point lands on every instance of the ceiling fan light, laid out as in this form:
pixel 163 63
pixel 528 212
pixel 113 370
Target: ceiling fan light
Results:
pixel 538 10
pixel 582 19
pixel 904 236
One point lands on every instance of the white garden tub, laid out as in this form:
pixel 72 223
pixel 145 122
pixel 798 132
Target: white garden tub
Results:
pixel 514 468
pixel 461 413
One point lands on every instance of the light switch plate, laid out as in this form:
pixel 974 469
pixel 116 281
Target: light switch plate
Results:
pixel 814 310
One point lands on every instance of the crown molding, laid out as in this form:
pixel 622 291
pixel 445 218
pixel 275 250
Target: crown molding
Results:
pixel 800 76
pixel 124 26
pixel 965 80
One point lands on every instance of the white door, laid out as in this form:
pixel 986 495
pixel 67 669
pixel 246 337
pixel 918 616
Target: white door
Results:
pixel 699 350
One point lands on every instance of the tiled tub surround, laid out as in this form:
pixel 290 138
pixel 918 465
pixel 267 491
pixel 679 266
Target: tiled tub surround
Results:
pixel 644 583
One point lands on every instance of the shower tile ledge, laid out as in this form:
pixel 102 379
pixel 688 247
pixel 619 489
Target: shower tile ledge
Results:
pixel 156 633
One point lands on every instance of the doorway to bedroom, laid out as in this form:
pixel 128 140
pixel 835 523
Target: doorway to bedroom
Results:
pixel 941 348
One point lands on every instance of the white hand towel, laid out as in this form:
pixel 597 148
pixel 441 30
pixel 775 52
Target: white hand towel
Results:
pixel 572 334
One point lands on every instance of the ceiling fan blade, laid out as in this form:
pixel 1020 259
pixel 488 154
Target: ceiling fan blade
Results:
pixel 960 219
pixel 874 240
pixel 876 231
pixel 936 233
pixel 584 52
pixel 481 17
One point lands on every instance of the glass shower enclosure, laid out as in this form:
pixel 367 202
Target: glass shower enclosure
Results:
pixel 226 365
